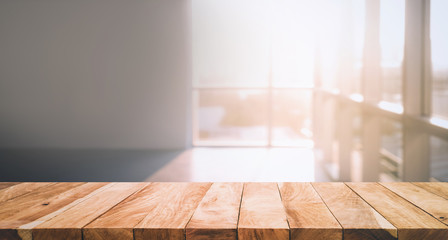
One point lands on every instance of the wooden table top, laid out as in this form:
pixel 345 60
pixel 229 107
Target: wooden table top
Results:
pixel 153 210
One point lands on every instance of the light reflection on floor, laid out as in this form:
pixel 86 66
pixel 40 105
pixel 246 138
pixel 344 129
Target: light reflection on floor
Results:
pixel 242 164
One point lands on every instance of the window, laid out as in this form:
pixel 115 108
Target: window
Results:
pixel 231 44
pixel 357 13
pixel 391 150
pixel 291 117
pixel 253 70
pixel 231 117
pixel 439 57
pixel 392 47
pixel 266 72
pixel 439 164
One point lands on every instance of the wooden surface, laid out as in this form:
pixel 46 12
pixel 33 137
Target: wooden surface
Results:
pixel 7 184
pixel 357 218
pixel 438 188
pixel 308 216
pixel 223 211
pixel 172 206
pixel 262 215
pixel 119 222
pixel 16 190
pixel 30 207
pixel 69 223
pixel 410 221
pixel 217 215
pixel 433 204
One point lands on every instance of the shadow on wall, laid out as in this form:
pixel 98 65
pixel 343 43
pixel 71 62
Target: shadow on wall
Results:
pixel 82 165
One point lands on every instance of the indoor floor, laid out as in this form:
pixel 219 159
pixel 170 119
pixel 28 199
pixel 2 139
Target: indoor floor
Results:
pixel 196 164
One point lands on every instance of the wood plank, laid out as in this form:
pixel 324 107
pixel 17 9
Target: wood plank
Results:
pixel 118 223
pixel 68 225
pixel 307 214
pixel 4 185
pixel 358 219
pixel 217 215
pixel 172 206
pixel 433 204
pixel 262 215
pixel 29 207
pixel 46 206
pixel 410 221
pixel 438 188
pixel 25 231
pixel 20 204
pixel 20 189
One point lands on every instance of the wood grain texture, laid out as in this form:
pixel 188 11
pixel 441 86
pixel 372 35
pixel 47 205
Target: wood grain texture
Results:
pixel 308 216
pixel 262 215
pixel 210 211
pixel 9 210
pixel 4 185
pixel 43 201
pixel 118 223
pixel 217 215
pixel 68 224
pixel 433 204
pixel 25 231
pixel 20 189
pixel 358 219
pixel 438 188
pixel 410 221
pixel 172 206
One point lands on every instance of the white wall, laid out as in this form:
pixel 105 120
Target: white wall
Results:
pixel 94 73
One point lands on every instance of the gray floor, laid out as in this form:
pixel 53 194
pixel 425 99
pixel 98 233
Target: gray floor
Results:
pixel 228 164
pixel 197 165
pixel 82 165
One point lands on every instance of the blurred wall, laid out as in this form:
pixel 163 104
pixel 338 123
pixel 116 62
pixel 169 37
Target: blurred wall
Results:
pixel 94 73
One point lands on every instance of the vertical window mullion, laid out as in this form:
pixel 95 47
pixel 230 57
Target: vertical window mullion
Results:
pixel 426 90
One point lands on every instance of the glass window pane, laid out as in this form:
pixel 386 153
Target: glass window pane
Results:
pixel 392 48
pixel 231 43
pixel 392 136
pixel 292 43
pixel 391 150
pixel 340 42
pixel 231 117
pixel 352 45
pixel 358 18
pixel 439 159
pixel 330 40
pixel 291 118
pixel 326 135
pixel 439 57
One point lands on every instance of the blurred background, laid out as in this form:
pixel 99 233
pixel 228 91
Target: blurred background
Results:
pixel 214 90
